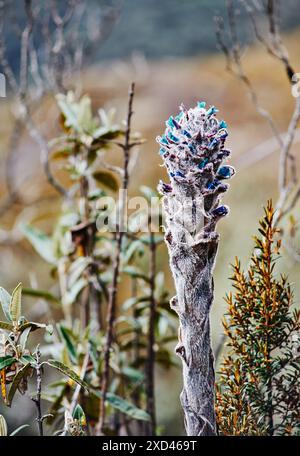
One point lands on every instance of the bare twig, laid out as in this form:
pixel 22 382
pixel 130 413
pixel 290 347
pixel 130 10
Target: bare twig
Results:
pixel 234 63
pixel 287 173
pixel 116 268
pixel 46 65
pixel 285 151
pixel 289 189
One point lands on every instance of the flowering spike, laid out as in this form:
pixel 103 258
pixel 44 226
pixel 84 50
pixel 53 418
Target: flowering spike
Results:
pixel 195 153
pixel 192 209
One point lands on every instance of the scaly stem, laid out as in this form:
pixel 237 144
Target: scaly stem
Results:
pixel 37 398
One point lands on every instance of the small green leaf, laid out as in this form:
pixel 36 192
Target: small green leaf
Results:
pixel 136 273
pixel 79 415
pixel 34 326
pixel 6 326
pixel 107 179
pixel 15 303
pixel 24 337
pixel 133 248
pixel 72 294
pixel 68 342
pixel 131 302
pixel 37 293
pixel 5 301
pixel 25 359
pixel 68 109
pixel 94 354
pixel 76 270
pixel 6 361
pixel 61 154
pixel 96 194
pixel 126 407
pixel 105 134
pixel 16 381
pixel 133 374
pixel 42 243
pixel 67 371
pixel 85 115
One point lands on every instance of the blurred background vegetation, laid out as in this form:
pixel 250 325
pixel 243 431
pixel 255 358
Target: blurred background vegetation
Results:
pixel 169 49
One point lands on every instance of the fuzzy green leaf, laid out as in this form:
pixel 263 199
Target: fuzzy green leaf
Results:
pixel 6 361
pixel 79 415
pixel 6 326
pixel 5 302
pixel 24 337
pixel 68 342
pixel 42 243
pixel 34 326
pixel 61 367
pixel 107 179
pixel 37 293
pixel 131 302
pixel 135 273
pixel 68 109
pixel 25 359
pixel 126 407
pixel 15 303
pixel 133 374
pixel 16 381
pixel 77 287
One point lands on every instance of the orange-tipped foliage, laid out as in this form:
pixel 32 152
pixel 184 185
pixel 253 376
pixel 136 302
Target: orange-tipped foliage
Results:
pixel 259 389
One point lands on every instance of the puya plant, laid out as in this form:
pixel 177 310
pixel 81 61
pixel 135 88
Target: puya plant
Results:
pixel 258 392
pixel 94 340
pixel 193 151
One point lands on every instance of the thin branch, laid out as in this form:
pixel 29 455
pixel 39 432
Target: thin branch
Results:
pixel 116 268
pixel 235 67
pixel 283 165
pixel 287 179
pixel 37 398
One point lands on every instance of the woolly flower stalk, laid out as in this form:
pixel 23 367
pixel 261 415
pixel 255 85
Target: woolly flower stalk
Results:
pixel 193 150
